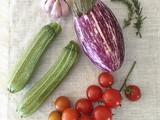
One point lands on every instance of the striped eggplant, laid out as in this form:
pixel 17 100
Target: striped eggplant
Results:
pixel 99 34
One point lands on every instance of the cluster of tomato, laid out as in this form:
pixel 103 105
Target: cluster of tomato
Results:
pixel 84 108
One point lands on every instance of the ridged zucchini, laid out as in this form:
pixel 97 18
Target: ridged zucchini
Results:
pixel 35 97
pixel 21 73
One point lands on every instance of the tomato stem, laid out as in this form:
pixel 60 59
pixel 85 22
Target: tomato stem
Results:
pixel 130 71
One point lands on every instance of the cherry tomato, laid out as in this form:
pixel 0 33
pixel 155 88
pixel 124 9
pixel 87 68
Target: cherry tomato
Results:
pixel 112 98
pixel 70 114
pixel 85 117
pixel 105 79
pixel 133 93
pixel 84 106
pixel 62 103
pixel 94 93
pixel 54 115
pixel 102 113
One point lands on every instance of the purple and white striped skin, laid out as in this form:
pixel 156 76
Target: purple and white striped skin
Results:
pixel 101 37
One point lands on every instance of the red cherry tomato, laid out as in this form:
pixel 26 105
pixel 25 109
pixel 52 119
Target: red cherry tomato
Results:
pixel 102 113
pixel 85 117
pixel 112 98
pixel 94 93
pixel 133 93
pixel 70 114
pixel 54 115
pixel 105 79
pixel 84 106
pixel 62 103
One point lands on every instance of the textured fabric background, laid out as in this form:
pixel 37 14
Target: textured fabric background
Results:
pixel 21 19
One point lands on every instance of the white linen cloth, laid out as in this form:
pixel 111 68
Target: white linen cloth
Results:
pixel 21 19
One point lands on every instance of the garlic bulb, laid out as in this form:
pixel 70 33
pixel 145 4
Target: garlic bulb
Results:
pixel 57 8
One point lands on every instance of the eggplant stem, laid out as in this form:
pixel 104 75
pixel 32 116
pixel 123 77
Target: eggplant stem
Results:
pixel 83 6
pixel 77 9
pixel 130 71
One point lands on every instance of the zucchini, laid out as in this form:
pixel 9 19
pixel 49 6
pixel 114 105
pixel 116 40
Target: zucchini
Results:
pixel 36 96
pixel 21 73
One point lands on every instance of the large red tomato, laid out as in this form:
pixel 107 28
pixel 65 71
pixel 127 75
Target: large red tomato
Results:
pixel 94 93
pixel 133 93
pixel 70 114
pixel 105 79
pixel 112 98
pixel 102 113
pixel 84 106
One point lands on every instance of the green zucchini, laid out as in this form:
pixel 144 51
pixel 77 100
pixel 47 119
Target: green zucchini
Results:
pixel 21 73
pixel 36 96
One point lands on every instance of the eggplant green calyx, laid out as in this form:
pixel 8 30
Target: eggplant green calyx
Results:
pixel 82 6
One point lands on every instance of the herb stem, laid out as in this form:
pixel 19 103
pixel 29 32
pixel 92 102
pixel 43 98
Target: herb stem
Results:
pixel 130 71
pixel 139 17
pixel 135 12
pixel 127 21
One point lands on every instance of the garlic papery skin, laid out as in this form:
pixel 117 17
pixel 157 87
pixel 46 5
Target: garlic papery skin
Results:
pixel 49 5
pixel 70 3
pixel 42 4
pixel 56 11
pixel 65 8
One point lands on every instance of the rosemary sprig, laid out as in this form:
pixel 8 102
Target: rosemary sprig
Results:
pixel 139 17
pixel 135 12
pixel 127 21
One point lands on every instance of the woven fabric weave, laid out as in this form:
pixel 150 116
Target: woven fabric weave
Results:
pixel 21 20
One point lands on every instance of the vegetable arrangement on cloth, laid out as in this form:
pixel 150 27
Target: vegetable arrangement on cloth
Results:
pixel 99 33
pixel 97 29
pixel 101 39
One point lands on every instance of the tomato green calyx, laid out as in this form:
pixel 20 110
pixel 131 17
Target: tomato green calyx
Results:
pixel 110 87
pixel 100 101
pixel 91 113
pixel 128 91
pixel 130 71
